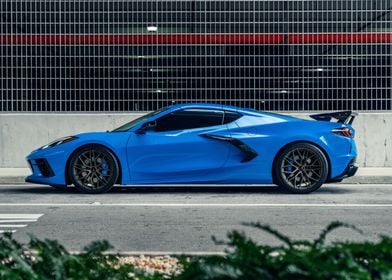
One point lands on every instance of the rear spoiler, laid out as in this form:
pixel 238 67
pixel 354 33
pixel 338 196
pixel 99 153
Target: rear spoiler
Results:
pixel 345 117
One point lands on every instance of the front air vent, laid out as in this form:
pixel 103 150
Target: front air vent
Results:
pixel 44 167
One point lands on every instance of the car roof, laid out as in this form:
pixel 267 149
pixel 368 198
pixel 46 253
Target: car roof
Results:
pixel 202 106
pixel 212 106
pixel 244 111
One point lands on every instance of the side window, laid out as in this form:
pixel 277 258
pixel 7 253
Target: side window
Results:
pixel 188 119
pixel 230 117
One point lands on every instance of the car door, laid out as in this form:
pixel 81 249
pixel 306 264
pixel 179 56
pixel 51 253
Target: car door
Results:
pixel 174 150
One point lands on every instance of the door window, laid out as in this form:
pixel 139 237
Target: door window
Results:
pixel 188 119
pixel 230 117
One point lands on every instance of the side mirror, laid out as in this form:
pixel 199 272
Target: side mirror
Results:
pixel 146 126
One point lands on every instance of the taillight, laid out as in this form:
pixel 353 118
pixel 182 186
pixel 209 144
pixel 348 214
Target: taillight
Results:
pixel 344 131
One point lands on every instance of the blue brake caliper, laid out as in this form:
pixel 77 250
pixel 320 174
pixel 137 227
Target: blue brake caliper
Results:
pixel 104 167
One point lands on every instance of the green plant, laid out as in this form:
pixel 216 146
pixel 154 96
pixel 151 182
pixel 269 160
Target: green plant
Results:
pixel 244 259
pixel 302 259
pixel 47 259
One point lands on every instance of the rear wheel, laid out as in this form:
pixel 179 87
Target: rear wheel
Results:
pixel 301 168
pixel 93 169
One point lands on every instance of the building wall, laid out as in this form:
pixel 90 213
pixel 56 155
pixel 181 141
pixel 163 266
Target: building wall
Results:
pixel 21 133
pixel 77 56
pixel 141 55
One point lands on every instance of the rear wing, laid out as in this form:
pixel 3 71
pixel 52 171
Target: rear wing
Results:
pixel 345 117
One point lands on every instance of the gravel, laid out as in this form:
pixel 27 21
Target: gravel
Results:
pixel 165 265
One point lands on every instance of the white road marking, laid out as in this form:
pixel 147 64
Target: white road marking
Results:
pixel 12 226
pixel 20 216
pixel 11 222
pixel 97 204
pixel 18 221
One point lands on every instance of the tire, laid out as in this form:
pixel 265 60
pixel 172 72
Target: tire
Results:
pixel 93 169
pixel 301 168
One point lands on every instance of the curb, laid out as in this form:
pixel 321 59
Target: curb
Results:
pixel 160 253
pixel 368 180
pixel 12 180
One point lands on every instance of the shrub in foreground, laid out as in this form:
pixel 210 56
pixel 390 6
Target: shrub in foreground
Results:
pixel 296 259
pixel 244 259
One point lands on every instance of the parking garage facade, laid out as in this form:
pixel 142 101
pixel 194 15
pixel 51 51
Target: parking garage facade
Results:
pixel 117 56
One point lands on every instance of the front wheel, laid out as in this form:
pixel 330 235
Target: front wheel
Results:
pixel 301 168
pixel 93 169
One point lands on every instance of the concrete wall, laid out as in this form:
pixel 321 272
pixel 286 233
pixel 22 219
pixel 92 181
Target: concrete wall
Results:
pixel 21 133
pixel 373 138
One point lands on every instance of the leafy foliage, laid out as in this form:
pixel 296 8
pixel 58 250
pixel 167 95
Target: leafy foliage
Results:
pixel 47 259
pixel 244 259
pixel 295 259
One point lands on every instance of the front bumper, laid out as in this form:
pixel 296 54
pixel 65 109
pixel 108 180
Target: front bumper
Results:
pixel 41 169
pixel 349 171
pixel 41 166
pixel 47 167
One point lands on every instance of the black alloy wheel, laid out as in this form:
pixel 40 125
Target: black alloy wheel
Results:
pixel 93 169
pixel 301 168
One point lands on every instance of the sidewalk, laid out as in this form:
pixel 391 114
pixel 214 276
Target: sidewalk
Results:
pixel 365 175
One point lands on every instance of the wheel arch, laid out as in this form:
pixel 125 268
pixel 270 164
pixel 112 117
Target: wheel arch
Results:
pixel 296 142
pixel 67 177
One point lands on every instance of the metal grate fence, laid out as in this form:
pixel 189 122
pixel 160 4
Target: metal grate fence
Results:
pixel 132 55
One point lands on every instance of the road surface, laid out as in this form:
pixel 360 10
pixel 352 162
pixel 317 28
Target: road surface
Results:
pixel 183 219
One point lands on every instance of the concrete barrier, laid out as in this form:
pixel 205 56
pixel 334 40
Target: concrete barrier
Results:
pixel 21 133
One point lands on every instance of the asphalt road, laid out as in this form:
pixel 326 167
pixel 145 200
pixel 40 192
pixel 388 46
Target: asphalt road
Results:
pixel 183 219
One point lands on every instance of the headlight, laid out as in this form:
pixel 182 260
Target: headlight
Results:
pixel 59 142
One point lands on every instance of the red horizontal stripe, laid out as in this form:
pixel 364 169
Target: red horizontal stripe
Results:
pixel 339 38
pixel 197 39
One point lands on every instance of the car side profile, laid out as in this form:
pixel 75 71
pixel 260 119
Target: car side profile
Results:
pixel 203 144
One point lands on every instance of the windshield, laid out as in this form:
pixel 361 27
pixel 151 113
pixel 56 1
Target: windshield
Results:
pixel 135 122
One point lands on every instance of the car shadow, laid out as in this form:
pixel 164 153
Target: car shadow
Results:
pixel 197 189
pixel 164 189
pixel 267 189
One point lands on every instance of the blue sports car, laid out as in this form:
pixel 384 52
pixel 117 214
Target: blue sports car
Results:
pixel 203 144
